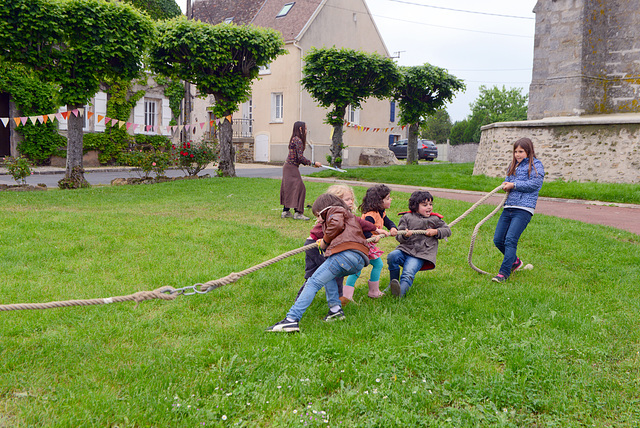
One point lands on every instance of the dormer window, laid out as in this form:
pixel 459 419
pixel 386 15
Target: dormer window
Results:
pixel 285 9
pixel 228 20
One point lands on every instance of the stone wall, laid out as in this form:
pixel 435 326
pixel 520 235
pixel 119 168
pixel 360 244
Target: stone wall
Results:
pixel 603 148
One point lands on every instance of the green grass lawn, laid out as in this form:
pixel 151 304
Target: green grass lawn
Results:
pixel 460 176
pixel 555 346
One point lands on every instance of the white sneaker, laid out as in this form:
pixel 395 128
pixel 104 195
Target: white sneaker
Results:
pixel 286 214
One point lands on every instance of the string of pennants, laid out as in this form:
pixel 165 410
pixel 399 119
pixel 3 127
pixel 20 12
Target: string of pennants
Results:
pixel 44 118
pixel 370 129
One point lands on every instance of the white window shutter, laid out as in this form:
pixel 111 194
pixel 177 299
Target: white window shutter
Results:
pixel 62 122
pixel 100 106
pixel 138 116
pixel 166 117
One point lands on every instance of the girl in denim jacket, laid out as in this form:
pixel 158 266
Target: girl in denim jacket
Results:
pixel 524 180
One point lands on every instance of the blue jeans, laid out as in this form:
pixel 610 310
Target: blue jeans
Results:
pixel 410 266
pixel 512 223
pixel 341 264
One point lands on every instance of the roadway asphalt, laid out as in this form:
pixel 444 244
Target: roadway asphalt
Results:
pixel 621 216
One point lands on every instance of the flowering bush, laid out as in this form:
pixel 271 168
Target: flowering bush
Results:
pixel 193 158
pixel 148 161
pixel 19 168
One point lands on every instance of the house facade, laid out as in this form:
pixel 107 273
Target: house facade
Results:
pixel 263 125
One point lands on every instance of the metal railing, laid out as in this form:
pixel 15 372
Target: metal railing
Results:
pixel 242 128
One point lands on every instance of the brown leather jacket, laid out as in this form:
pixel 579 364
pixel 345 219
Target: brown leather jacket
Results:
pixel 342 231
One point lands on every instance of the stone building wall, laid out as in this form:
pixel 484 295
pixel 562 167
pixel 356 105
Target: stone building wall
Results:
pixel 596 148
pixel 586 58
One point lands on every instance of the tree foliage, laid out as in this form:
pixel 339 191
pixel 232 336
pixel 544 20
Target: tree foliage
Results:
pixel 437 127
pixel 495 105
pixel 76 44
pixel 221 60
pixel 424 90
pixel 158 9
pixel 337 78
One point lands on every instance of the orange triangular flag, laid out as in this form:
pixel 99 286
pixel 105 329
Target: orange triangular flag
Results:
pixel 89 114
pixel 17 120
pixel 100 117
pixel 45 118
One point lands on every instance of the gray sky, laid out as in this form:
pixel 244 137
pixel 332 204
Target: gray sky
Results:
pixel 487 42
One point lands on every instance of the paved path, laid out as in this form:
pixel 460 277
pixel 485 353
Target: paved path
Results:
pixel 621 216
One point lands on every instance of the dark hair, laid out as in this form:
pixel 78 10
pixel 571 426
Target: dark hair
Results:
pixel 298 131
pixel 418 197
pixel 526 145
pixel 327 200
pixel 372 200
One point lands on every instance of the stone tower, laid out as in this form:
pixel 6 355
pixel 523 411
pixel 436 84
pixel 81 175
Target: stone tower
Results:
pixel 586 58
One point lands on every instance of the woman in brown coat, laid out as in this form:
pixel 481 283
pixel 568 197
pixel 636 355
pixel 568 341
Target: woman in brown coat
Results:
pixel 292 190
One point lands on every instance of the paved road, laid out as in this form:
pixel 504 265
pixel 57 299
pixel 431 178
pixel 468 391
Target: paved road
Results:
pixel 621 216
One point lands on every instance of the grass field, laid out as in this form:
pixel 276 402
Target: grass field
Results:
pixel 460 176
pixel 555 346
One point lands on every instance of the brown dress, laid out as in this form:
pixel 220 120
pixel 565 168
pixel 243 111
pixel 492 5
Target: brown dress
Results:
pixel 292 190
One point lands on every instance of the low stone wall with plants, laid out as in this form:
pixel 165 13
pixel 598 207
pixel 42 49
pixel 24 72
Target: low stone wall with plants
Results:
pixel 598 148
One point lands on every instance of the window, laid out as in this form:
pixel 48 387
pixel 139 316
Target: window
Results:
pixel 265 69
pixel 392 111
pixel 353 114
pixel 151 113
pixel 285 9
pixel 277 107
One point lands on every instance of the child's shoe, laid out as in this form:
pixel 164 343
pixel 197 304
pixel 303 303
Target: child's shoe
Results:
pixel 499 278
pixel 285 326
pixel 337 315
pixel 395 288
pixel 516 265
pixel 374 290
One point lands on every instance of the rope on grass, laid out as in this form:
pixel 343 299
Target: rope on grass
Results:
pixel 170 293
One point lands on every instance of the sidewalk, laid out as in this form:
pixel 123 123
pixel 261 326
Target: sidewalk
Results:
pixel 620 216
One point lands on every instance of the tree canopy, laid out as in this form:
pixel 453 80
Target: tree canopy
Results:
pixel 158 9
pixel 437 127
pixel 75 44
pixel 424 89
pixel 496 105
pixel 337 78
pixel 221 60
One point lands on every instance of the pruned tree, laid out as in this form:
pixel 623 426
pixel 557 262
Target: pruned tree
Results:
pixel 221 60
pixel 76 44
pixel 424 89
pixel 337 78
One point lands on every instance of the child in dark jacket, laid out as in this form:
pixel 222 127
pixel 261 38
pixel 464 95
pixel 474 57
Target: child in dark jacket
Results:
pixel 346 250
pixel 416 251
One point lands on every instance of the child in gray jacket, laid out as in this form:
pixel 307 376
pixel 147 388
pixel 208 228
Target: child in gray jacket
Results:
pixel 416 251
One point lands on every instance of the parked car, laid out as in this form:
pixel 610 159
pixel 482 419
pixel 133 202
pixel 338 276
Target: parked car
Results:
pixel 427 149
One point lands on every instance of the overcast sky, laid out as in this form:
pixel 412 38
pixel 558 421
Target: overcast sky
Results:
pixel 488 42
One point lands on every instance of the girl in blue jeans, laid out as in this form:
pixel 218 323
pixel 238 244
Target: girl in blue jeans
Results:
pixel 524 180
pixel 346 250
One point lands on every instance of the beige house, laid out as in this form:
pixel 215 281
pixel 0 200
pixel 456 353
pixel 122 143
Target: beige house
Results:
pixel 263 125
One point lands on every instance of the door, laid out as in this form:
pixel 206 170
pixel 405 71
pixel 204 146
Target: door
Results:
pixel 261 148
pixel 5 134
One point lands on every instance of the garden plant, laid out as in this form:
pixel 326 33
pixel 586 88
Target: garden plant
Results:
pixel 554 346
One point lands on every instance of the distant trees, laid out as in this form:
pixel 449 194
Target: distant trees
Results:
pixel 437 127
pixel 492 105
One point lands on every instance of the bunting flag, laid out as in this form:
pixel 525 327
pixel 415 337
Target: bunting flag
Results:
pixel 4 120
pixel 89 115
pixel 371 129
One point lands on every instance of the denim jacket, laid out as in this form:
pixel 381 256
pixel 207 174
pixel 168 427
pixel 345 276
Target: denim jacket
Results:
pixel 525 194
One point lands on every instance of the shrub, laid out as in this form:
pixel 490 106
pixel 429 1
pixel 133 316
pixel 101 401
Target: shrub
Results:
pixel 157 142
pixel 40 142
pixel 108 144
pixel 148 161
pixel 19 168
pixel 194 157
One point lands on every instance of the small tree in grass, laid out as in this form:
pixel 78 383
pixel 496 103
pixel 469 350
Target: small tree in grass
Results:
pixel 337 78
pixel 424 89
pixel 221 60
pixel 75 44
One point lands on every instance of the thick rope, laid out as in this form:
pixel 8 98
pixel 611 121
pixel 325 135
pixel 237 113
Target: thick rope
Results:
pixel 170 293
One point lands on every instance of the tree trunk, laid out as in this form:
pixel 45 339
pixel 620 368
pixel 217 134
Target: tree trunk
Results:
pixel 74 174
pixel 336 146
pixel 227 153
pixel 412 144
